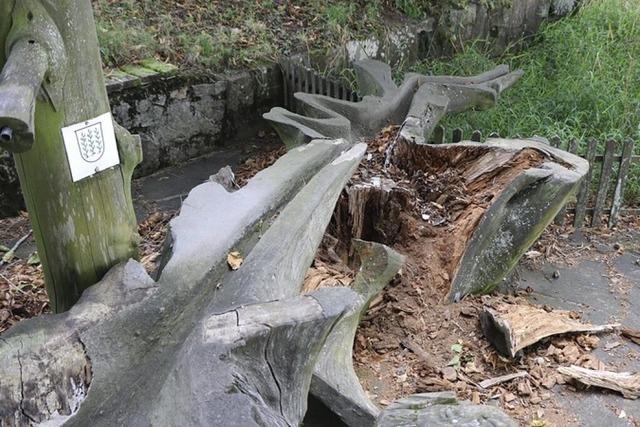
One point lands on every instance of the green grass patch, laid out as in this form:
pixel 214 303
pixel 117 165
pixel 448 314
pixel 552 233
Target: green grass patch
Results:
pixel 238 33
pixel 582 80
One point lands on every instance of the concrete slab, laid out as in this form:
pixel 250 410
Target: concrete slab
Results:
pixel 594 289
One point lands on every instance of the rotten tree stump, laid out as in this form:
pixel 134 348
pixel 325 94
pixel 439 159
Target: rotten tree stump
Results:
pixel 491 239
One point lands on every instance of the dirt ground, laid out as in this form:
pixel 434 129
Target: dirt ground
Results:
pixel 410 340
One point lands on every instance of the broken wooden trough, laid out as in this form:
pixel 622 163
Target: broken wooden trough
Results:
pixel 205 345
pixel 508 190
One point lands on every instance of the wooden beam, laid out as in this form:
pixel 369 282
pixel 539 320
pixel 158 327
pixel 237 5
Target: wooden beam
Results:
pixel 583 193
pixel 603 188
pixel 560 218
pixel 623 172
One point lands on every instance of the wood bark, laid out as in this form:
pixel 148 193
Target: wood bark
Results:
pixel 511 327
pixel 626 383
pixel 82 229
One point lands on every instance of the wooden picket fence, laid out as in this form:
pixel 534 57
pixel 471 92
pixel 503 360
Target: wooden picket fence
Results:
pixel 601 194
pixel 300 78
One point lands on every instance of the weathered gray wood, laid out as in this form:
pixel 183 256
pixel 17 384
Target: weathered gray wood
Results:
pixel 201 327
pixel 625 383
pixel 306 73
pixel 623 172
pixel 285 84
pixel 438 134
pixel 605 179
pixel 335 383
pixel 456 135
pixel 583 194
pixel 311 76
pixel 560 218
pixel 441 410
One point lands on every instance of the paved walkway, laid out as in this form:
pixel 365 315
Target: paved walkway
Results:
pixel 605 289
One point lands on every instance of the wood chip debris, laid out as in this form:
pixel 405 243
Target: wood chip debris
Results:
pixel 512 327
pixel 631 334
pixel 626 383
pixel 491 382
pixel 235 260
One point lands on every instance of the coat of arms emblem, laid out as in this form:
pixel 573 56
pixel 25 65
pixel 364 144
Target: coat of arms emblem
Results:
pixel 91 142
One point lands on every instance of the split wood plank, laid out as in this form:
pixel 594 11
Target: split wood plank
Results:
pixel 583 193
pixel 438 134
pixel 626 383
pixel 512 327
pixel 491 382
pixel 285 83
pixel 623 172
pixel 560 218
pixel 603 188
pixel 631 334
pixel 457 135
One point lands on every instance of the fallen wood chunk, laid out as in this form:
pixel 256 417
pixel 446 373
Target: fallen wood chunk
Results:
pixel 503 379
pixel 512 327
pixel 626 383
pixel 631 334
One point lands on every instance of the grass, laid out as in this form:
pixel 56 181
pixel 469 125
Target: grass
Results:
pixel 238 33
pixel 582 80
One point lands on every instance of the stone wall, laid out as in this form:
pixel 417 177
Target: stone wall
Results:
pixel 479 21
pixel 180 117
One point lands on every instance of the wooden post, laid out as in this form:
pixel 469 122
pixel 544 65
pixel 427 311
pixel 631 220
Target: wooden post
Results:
pixel 618 197
pixel 559 220
pixel 439 134
pixel 285 83
pixel 603 188
pixel 457 135
pixel 84 228
pixel 476 136
pixel 585 187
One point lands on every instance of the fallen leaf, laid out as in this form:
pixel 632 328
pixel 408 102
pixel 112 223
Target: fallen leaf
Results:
pixel 3 248
pixel 235 260
pixel 34 259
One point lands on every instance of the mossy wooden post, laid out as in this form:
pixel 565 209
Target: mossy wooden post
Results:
pixel 49 53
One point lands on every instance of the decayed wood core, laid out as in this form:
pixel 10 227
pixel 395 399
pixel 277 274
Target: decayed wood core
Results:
pixel 426 204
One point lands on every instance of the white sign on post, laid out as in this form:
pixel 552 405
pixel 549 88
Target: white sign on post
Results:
pixel 91 146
